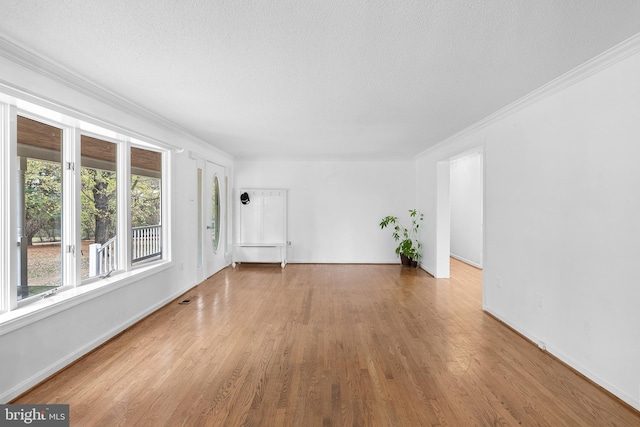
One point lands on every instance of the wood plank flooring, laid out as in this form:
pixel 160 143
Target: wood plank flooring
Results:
pixel 327 345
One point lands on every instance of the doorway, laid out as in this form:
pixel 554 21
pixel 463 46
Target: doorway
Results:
pixel 444 209
pixel 466 200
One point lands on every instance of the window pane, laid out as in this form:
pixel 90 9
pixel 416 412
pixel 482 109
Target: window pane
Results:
pixel 39 207
pixel 215 213
pixel 146 212
pixel 199 190
pixel 98 217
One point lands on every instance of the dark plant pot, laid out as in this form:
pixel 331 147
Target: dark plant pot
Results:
pixel 405 260
pixel 408 262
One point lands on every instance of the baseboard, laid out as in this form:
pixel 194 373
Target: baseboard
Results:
pixel 421 266
pixel 60 364
pixel 466 261
pixel 595 379
pixel 566 360
pixel 343 261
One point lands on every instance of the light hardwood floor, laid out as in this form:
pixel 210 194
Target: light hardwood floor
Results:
pixel 321 345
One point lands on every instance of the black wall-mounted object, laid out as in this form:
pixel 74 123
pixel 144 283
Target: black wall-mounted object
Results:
pixel 244 198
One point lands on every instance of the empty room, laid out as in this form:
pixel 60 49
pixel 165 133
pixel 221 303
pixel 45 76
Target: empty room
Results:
pixel 300 213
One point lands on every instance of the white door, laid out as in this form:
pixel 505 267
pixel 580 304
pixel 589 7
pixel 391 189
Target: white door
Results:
pixel 214 218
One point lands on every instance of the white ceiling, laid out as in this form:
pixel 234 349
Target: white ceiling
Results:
pixel 329 78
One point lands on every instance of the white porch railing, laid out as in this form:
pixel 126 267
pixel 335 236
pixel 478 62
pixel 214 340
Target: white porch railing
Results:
pixel 103 259
pixel 146 242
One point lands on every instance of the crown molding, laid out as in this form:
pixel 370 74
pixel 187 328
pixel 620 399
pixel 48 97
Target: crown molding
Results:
pixel 323 158
pixel 605 60
pixel 43 66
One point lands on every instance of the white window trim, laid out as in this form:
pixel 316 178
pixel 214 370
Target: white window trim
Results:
pixel 7 275
pixel 122 170
pixel 15 314
pixel 66 155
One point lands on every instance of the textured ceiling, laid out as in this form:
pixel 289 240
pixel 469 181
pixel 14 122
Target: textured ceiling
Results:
pixel 330 78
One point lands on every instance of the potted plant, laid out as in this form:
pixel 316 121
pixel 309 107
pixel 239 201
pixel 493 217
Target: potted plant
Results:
pixel 408 246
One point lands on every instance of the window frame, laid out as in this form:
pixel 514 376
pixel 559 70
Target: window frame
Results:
pixel 73 289
pixel 165 192
pixel 121 169
pixel 67 149
pixel 7 274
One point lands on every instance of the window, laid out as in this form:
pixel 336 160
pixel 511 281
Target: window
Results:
pixel 98 208
pixel 146 206
pixel 84 203
pixel 215 213
pixel 39 207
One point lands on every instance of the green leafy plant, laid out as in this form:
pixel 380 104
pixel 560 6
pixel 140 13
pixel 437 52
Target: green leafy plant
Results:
pixel 408 244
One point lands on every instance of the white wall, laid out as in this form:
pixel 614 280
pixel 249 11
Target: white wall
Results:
pixel 561 221
pixel 31 352
pixel 335 206
pixel 466 208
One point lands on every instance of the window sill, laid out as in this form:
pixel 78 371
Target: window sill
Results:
pixel 56 303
